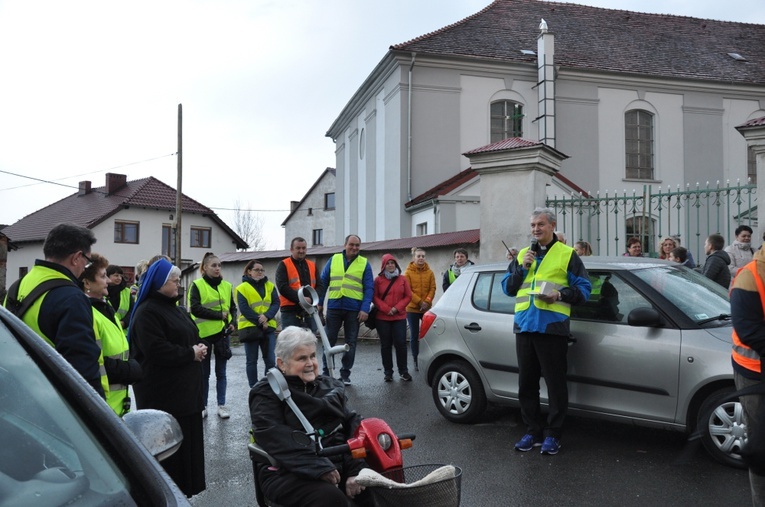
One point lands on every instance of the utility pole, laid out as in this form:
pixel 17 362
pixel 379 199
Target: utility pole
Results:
pixel 178 206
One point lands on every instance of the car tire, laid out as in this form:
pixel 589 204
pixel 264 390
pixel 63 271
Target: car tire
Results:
pixel 458 392
pixel 722 428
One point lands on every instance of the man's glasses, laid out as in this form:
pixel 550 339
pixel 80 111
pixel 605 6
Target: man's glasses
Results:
pixel 90 261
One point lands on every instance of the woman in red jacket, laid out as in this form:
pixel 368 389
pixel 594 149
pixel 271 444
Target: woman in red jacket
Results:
pixel 392 294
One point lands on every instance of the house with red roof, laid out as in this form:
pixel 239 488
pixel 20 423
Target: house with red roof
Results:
pixel 633 101
pixel 132 221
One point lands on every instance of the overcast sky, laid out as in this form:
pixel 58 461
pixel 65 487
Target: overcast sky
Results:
pixel 90 87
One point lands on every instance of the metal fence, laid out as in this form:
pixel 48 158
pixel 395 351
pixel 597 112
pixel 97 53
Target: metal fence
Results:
pixel 691 214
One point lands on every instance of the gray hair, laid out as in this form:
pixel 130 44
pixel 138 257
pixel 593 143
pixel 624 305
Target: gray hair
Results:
pixel 547 212
pixel 290 339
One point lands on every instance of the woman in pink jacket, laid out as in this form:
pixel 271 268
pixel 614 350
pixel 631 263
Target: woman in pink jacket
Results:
pixel 392 294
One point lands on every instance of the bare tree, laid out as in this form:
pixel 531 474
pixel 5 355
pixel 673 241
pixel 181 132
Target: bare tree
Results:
pixel 249 226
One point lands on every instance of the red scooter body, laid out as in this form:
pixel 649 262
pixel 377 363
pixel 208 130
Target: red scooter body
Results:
pixel 378 445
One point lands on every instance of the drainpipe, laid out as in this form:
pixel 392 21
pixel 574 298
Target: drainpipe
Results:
pixel 409 135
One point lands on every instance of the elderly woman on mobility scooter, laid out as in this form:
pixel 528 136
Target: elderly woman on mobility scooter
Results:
pixel 303 478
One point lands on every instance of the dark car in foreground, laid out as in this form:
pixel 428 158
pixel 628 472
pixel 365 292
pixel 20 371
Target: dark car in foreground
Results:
pixel 63 445
pixel 651 347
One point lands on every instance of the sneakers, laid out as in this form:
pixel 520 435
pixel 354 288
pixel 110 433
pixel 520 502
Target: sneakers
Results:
pixel 346 381
pixel 551 446
pixel 223 412
pixel 389 378
pixel 204 414
pixel 527 443
pixel 406 376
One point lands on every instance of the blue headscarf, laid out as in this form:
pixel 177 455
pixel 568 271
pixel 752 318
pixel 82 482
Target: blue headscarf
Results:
pixel 151 281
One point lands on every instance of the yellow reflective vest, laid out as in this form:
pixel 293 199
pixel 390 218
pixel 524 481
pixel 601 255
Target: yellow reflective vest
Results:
pixel 554 270
pixel 113 345
pixel 259 305
pixel 346 283
pixel 213 299
pixel 36 276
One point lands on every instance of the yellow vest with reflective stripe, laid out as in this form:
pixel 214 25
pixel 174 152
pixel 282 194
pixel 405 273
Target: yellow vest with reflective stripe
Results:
pixel 554 270
pixel 346 283
pixel 259 305
pixel 212 299
pixel 113 345
pixel 35 277
pixel 124 307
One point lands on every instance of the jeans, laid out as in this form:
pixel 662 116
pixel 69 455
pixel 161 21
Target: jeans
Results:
pixel 751 406
pixel 266 347
pixel 299 320
pixel 414 332
pixel 220 371
pixel 349 321
pixel 392 334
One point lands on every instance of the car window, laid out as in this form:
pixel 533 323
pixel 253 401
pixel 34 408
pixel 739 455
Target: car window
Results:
pixel 48 451
pixel 489 296
pixel 692 293
pixel 611 299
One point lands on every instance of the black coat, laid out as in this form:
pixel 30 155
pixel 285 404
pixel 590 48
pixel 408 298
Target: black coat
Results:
pixel 716 267
pixel 323 402
pixel 163 336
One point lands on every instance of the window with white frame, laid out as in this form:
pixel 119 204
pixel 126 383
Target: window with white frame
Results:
pixel 638 134
pixel 506 120
pixel 318 237
pixel 422 229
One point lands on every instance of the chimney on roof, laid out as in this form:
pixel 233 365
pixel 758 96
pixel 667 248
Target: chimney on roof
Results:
pixel 294 205
pixel 114 182
pixel 84 188
pixel 546 85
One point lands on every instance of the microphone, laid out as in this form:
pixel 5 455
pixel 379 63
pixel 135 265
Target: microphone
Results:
pixel 533 248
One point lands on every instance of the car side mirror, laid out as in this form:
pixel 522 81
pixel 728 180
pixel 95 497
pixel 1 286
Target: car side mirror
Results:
pixel 645 317
pixel 158 431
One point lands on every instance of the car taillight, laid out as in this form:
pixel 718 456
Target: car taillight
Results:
pixel 427 321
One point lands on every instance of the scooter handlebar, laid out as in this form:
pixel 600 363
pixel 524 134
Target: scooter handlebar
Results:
pixel 334 450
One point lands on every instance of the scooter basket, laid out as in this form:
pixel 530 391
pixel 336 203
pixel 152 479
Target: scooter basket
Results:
pixel 444 493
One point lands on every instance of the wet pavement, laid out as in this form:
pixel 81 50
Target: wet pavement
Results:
pixel 600 463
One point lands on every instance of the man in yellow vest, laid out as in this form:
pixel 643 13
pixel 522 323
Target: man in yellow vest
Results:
pixel 350 286
pixel 292 273
pixel 63 315
pixel 546 280
pixel 747 305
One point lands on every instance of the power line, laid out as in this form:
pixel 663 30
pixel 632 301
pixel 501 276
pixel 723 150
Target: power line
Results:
pixel 55 182
pixel 252 210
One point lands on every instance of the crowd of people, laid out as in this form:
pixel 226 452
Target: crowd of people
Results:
pixel 118 335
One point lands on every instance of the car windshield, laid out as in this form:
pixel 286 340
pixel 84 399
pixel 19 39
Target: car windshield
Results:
pixel 48 453
pixel 695 295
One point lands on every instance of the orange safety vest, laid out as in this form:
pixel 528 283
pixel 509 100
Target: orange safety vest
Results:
pixel 293 279
pixel 742 354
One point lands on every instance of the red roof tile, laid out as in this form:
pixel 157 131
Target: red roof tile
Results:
pixel 757 122
pixel 96 206
pixel 592 38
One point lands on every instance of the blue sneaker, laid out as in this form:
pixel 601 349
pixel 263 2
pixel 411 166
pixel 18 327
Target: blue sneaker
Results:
pixel 551 446
pixel 527 443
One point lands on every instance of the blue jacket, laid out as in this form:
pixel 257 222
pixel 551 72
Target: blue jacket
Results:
pixel 534 320
pixel 346 303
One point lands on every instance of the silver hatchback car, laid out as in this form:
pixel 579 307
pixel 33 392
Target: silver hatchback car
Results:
pixel 651 347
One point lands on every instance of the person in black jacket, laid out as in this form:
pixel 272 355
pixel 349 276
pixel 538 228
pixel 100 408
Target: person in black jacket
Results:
pixel 716 266
pixel 166 344
pixel 303 478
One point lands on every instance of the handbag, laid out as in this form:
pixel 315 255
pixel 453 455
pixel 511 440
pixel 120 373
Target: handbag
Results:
pixel 251 334
pixel 371 321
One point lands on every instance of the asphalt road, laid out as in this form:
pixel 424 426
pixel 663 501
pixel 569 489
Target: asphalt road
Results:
pixel 600 463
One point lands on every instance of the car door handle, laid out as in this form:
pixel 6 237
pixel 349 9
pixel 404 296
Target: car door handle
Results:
pixel 473 327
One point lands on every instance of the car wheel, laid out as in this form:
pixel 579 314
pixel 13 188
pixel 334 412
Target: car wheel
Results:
pixel 458 392
pixel 722 428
